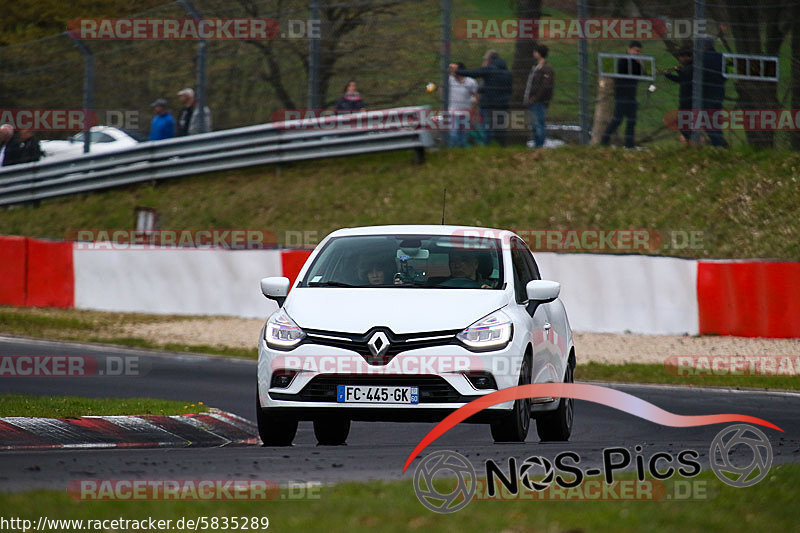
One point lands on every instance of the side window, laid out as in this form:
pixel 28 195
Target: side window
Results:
pixel 532 266
pixel 522 273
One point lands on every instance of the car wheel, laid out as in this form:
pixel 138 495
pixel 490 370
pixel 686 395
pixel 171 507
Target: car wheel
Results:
pixel 274 430
pixel 514 426
pixel 331 431
pixel 557 425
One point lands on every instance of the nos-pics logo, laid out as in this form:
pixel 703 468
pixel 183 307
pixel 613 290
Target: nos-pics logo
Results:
pixel 447 465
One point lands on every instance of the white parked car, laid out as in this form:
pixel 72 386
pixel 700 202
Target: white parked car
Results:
pixel 408 323
pixel 104 139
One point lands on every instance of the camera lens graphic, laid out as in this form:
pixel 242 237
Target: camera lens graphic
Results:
pixel 740 435
pixel 446 464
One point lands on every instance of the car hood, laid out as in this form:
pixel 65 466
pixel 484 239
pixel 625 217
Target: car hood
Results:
pixel 400 310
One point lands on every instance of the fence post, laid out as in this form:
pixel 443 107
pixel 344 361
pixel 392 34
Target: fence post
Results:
pixel 202 63
pixel 313 57
pixel 697 64
pixel 445 66
pixel 583 79
pixel 88 90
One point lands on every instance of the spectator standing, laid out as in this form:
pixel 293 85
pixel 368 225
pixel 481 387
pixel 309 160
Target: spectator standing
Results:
pixel 625 105
pixel 163 125
pixel 683 76
pixel 494 93
pixel 463 91
pixel 713 90
pixel 538 93
pixel 25 149
pixel 351 101
pixel 189 118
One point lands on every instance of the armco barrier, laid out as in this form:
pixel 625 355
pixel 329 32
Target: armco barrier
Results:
pixel 602 293
pixel 293 140
pixel 749 299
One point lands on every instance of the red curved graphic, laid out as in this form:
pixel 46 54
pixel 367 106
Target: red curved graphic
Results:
pixel 593 393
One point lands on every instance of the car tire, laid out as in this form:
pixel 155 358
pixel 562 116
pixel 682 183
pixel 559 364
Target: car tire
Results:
pixel 331 431
pixel 274 430
pixel 514 426
pixel 557 425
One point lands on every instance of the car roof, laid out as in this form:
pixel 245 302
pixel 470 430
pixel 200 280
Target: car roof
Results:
pixel 421 229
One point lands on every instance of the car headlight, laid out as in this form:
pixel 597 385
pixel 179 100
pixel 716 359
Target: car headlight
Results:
pixel 489 333
pixel 281 331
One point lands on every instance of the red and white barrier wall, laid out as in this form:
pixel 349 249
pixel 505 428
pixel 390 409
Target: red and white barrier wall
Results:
pixel 602 293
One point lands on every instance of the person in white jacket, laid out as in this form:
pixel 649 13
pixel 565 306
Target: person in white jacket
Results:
pixel 189 119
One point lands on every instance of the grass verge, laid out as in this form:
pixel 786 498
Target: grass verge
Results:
pixel 743 202
pixel 658 374
pixel 76 406
pixel 393 507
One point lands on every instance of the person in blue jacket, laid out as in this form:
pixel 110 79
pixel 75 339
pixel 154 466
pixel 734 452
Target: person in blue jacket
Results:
pixel 163 125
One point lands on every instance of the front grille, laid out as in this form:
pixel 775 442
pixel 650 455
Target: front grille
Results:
pixel 432 389
pixel 397 343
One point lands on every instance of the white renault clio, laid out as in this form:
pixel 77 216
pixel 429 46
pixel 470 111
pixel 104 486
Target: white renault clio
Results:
pixel 408 323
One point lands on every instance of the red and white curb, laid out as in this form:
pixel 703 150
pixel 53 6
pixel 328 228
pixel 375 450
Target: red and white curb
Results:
pixel 211 429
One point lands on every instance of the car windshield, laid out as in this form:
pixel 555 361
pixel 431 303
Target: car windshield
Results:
pixel 95 137
pixel 408 261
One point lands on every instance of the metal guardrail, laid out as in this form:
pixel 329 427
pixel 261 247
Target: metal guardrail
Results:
pixel 277 142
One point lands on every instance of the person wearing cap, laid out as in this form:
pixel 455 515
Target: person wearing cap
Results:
pixel 163 125
pixel 189 119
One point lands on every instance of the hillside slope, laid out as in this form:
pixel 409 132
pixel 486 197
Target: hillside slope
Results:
pixel 745 203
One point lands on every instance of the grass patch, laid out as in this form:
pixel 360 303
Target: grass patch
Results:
pixel 743 202
pixel 393 507
pixel 651 373
pixel 76 406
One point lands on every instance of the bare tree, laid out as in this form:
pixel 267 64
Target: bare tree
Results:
pixel 339 21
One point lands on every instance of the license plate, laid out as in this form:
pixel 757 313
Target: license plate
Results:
pixel 370 394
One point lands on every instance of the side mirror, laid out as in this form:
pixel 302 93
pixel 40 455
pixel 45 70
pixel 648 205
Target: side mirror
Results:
pixel 275 288
pixel 540 290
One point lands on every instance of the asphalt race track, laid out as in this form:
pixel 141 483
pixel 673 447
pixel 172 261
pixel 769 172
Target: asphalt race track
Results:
pixel 374 450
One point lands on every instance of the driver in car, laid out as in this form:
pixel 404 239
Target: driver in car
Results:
pixel 374 271
pixel 464 271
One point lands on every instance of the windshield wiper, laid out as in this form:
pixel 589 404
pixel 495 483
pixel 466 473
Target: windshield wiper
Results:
pixel 330 284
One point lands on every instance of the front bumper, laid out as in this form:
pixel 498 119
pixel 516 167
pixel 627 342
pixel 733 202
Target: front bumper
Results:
pixel 440 372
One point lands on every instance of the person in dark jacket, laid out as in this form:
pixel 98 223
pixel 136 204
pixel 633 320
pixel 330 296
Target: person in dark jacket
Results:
pixel 538 93
pixel 625 105
pixel 494 93
pixel 683 76
pixel 351 101
pixel 713 86
pixel 24 149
